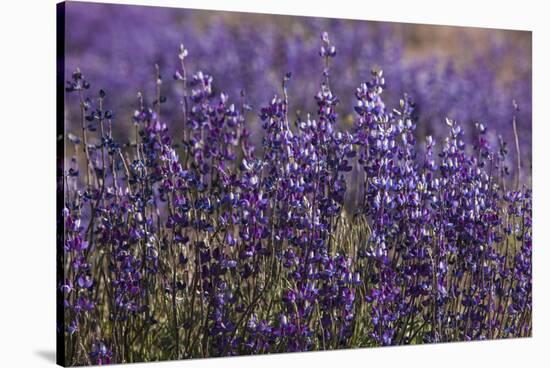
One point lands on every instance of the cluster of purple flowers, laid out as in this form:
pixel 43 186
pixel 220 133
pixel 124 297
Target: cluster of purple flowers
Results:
pixel 195 244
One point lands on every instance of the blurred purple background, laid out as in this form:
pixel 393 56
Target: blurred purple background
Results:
pixel 463 73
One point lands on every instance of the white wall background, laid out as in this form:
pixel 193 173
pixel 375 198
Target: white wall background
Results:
pixel 27 180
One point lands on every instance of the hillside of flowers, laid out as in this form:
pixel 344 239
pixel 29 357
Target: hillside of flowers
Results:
pixel 465 74
pixel 183 238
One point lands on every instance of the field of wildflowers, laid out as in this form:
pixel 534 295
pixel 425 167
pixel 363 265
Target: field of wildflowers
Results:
pixel 218 220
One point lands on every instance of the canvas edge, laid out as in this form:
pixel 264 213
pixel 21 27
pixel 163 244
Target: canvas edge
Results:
pixel 60 154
